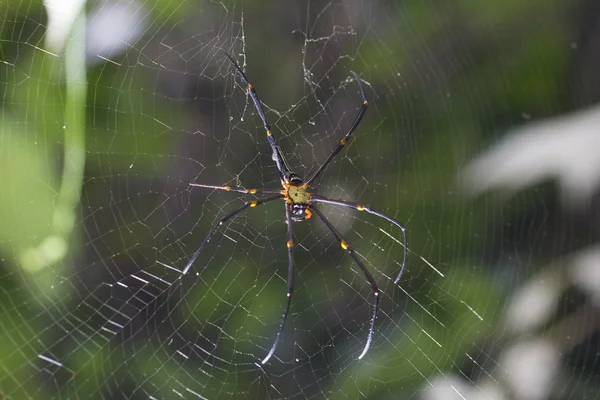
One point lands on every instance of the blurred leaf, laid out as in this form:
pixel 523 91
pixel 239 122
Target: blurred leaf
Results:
pixel 539 151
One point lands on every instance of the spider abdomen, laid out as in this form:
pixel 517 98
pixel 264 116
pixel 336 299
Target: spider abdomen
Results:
pixel 299 212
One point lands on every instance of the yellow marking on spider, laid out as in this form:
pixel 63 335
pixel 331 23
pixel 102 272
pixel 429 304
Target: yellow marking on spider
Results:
pixel 298 194
pixel 308 214
pixel 253 203
pixel 360 208
pixel 250 87
pixel 227 187
pixel 344 244
pixel 290 243
pixel 252 191
pixel 366 103
pixel 343 142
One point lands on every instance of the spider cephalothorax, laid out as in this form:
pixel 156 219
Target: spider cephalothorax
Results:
pixel 297 200
pixel 299 206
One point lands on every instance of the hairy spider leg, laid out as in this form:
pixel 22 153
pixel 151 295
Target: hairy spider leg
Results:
pixel 344 245
pixel 290 282
pixel 348 135
pixel 356 206
pixel 285 174
pixel 224 219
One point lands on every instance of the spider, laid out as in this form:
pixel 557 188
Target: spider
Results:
pixel 299 206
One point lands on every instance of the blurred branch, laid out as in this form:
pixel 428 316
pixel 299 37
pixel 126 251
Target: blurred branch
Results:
pixel 54 247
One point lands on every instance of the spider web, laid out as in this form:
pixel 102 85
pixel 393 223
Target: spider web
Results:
pixel 115 318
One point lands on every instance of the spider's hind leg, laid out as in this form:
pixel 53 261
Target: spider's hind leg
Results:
pixel 344 245
pixel 290 282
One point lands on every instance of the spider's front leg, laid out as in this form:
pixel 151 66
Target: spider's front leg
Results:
pixel 346 138
pixel 279 160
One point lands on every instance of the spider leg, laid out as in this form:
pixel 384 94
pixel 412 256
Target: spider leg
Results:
pixel 277 157
pixel 290 282
pixel 350 204
pixel 346 138
pixel 365 271
pixel 237 190
pixel 222 221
